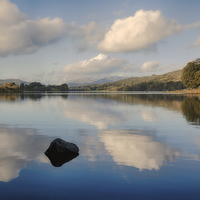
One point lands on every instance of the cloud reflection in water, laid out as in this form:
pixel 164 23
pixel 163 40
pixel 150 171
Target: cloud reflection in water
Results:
pixel 132 148
pixel 19 147
pixel 93 112
pixel 149 116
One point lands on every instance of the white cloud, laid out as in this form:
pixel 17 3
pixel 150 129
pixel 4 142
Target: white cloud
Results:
pixel 100 64
pixel 150 66
pixel 20 35
pixel 140 32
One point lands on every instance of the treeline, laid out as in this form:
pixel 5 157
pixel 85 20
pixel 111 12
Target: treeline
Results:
pixel 154 86
pixel 37 86
pixel 34 86
pixel 144 86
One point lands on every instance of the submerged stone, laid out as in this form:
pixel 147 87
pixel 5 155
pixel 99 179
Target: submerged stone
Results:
pixel 60 152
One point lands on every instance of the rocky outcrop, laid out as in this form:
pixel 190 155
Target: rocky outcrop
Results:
pixel 60 152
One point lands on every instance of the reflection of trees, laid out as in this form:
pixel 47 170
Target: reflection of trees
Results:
pixel 191 109
pixel 25 96
pixel 21 96
pixel 169 101
pixel 38 96
pixel 33 96
pixel 9 97
pixel 65 96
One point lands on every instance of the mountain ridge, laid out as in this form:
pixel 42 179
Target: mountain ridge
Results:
pixel 16 81
pixel 88 81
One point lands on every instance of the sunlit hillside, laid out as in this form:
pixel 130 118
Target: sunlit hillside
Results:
pixel 119 85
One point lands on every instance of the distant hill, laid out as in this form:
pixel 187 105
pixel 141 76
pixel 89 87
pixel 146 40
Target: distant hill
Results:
pixel 109 79
pixel 88 81
pixel 170 76
pixel 120 84
pixel 16 81
pixel 81 81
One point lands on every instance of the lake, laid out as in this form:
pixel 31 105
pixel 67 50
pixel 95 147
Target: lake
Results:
pixel 132 146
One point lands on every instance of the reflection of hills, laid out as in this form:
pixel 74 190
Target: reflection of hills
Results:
pixel 169 101
pixel 33 96
pixel 132 148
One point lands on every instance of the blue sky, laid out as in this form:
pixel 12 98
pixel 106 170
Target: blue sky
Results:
pixel 57 41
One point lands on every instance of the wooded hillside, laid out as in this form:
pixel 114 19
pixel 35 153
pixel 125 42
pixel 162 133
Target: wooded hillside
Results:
pixel 168 81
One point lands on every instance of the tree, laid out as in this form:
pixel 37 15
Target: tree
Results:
pixel 63 87
pixel 9 86
pixel 191 74
pixel 21 86
pixel 35 86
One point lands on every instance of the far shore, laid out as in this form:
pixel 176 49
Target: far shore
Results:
pixel 183 91
pixel 186 91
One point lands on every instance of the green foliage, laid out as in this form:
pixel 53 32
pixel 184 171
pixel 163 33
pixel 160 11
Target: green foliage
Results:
pixel 143 86
pixel 169 81
pixel 191 109
pixel 63 87
pixel 37 86
pixel 34 86
pixel 191 74
pixel 21 86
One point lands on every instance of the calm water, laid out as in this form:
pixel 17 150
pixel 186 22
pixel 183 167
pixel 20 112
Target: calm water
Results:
pixel 132 146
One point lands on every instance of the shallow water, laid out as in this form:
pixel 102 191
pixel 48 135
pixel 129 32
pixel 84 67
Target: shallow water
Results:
pixel 132 146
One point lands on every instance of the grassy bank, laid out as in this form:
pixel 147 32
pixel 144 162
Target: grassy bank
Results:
pixel 186 91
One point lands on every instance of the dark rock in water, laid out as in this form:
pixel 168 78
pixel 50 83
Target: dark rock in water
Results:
pixel 60 152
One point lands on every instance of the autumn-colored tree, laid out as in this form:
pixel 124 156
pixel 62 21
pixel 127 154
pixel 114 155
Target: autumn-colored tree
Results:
pixel 9 86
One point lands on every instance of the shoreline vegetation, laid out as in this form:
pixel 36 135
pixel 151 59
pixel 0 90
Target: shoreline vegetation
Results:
pixel 13 88
pixel 186 80
pixel 32 87
pixel 186 91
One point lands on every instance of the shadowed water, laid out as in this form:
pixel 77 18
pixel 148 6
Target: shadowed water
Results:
pixel 132 146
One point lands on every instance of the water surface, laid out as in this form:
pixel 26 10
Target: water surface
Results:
pixel 132 146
